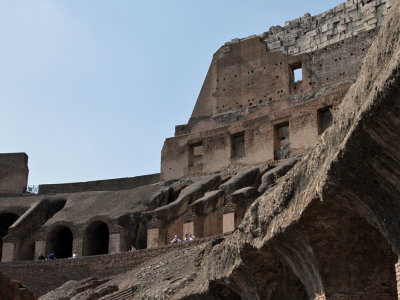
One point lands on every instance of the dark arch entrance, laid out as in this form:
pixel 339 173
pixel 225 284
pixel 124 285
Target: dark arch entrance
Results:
pixel 96 239
pixel 60 240
pixel 6 220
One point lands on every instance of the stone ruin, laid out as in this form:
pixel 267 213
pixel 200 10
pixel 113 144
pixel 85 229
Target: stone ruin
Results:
pixel 287 172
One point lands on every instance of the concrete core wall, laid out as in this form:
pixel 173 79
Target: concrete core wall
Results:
pixel 100 185
pixel 13 173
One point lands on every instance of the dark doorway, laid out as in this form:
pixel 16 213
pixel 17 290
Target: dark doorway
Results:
pixel 6 220
pixel 324 119
pixel 237 146
pixel 96 239
pixel 60 241
pixel 281 141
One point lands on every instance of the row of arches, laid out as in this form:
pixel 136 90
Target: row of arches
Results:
pixel 95 240
pixel 59 240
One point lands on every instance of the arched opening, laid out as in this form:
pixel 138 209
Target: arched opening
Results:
pixel 96 239
pixel 6 220
pixel 354 257
pixel 60 240
pixel 24 249
pixel 273 278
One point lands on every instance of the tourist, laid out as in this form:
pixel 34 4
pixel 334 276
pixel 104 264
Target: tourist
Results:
pixel 186 237
pixel 74 254
pixel 52 255
pixel 191 237
pixel 41 256
pixel 132 248
pixel 175 240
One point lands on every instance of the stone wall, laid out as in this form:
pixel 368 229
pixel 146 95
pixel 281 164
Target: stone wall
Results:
pixel 13 173
pixel 52 274
pixel 12 289
pixel 251 88
pixel 259 136
pixel 100 185
pixel 310 33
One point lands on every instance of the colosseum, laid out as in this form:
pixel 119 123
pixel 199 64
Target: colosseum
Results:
pixel 287 173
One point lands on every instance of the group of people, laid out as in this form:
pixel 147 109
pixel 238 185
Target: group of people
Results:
pixel 53 256
pixel 188 237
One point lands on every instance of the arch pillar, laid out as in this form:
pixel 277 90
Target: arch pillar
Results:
pixel 8 252
pixel 113 243
pixel 40 246
pixel 397 268
pixel 77 245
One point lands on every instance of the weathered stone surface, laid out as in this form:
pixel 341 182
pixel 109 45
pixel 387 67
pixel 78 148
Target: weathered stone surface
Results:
pixel 14 290
pixel 329 229
pixel 270 177
pixel 13 173
pixel 242 179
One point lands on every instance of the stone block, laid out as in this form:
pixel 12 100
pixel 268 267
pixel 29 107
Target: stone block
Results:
pixel 8 252
pixel 152 237
pixel 342 28
pixel 40 247
pixel 77 245
pixel 293 50
pixel 274 45
pixel 228 222
pixel 340 7
pixel 113 243
pixel 372 21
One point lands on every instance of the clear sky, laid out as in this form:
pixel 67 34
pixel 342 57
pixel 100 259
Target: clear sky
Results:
pixel 90 89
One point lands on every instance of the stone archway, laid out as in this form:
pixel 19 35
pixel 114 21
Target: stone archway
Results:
pixel 272 278
pixel 96 239
pixel 60 241
pixel 6 220
pixel 354 258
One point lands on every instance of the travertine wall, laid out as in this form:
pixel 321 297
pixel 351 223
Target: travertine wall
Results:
pixel 307 34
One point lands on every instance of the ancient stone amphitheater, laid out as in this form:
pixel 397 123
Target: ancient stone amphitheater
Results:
pixel 287 173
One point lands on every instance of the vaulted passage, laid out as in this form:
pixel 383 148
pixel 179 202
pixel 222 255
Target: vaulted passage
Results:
pixel 60 240
pixel 354 258
pixel 6 220
pixel 269 276
pixel 96 239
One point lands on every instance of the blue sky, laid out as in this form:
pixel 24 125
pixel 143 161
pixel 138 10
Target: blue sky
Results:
pixel 90 89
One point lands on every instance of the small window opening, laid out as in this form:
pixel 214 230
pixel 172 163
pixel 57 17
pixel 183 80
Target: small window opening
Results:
pixel 281 141
pixel 195 154
pixel 297 72
pixel 237 145
pixel 324 118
